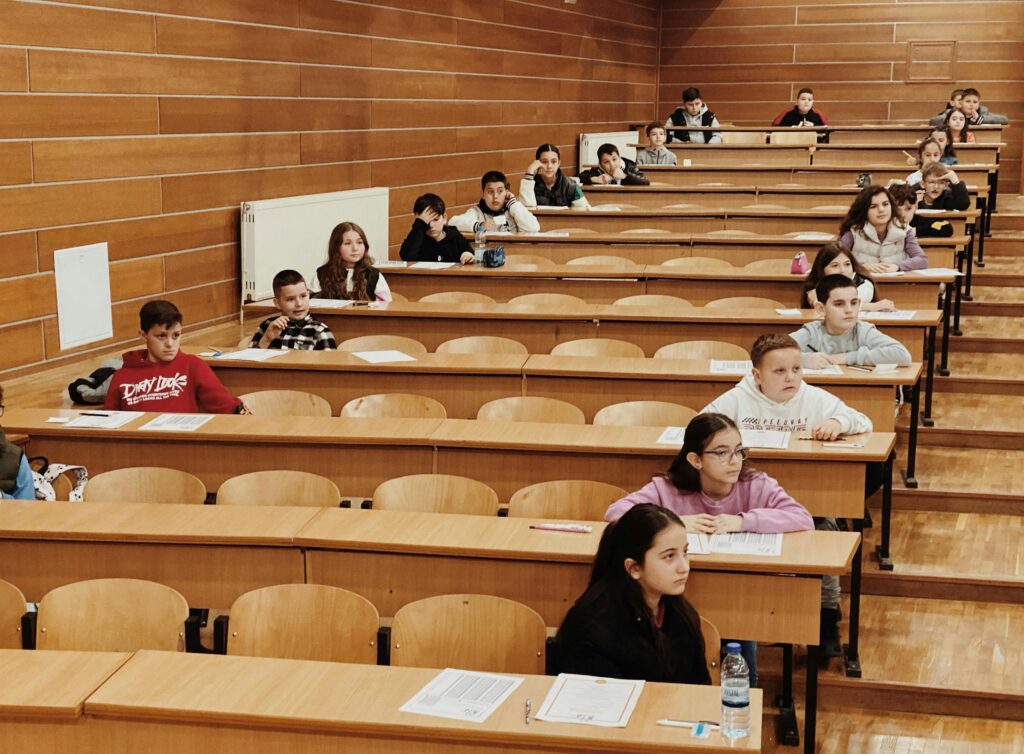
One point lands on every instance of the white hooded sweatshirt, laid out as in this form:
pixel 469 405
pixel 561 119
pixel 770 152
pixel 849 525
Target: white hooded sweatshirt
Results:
pixel 811 407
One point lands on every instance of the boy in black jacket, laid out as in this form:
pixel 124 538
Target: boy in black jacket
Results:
pixel 430 239
pixel 613 170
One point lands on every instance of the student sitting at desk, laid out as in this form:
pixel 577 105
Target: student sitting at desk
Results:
pixel 905 198
pixel 803 114
pixel 15 474
pixel 943 189
pixel 162 378
pixel 431 239
pixel 633 620
pixel 544 184
pixel 294 327
pixel 842 337
pixel 712 489
pixel 655 153
pixel 774 396
pixel 498 209
pixel 943 136
pixel 876 239
pixel 833 259
pixel 349 272
pixel 693 113
pixel 613 170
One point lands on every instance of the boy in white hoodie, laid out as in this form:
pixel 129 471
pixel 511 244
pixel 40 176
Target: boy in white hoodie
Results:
pixel 775 396
pixel 498 209
pixel 693 113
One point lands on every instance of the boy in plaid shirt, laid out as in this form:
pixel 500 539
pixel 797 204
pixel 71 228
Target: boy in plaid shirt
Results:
pixel 295 327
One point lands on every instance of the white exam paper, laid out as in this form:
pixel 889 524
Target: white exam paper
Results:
pixel 830 369
pixel 606 208
pixel 588 700
pixel 672 436
pixel 389 263
pixel 720 366
pixel 103 419
pixel 383 357
pixel 788 312
pixel 698 544
pixel 814 236
pixel 747 543
pixel 764 438
pixel 177 422
pixel 253 354
pixel 938 271
pixel 462 695
pixel 432 265
pixel 902 314
pixel 334 303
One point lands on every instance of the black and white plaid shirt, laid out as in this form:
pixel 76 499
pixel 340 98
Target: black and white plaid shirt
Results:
pixel 306 334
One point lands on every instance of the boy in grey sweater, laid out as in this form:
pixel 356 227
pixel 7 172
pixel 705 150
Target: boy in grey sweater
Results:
pixel 841 338
pixel 656 153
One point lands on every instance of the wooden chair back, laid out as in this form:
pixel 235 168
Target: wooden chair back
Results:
pixel 436 493
pixel 456 297
pixel 732 232
pixel 286 403
pixel 473 631
pixel 644 414
pixel 12 607
pixel 744 302
pixel 571 499
pixel 383 343
pixel 547 300
pixel 743 137
pixel 659 300
pixel 644 232
pixel 531 409
pixel 603 261
pixel 777 266
pixel 394 406
pixel 534 259
pixel 483 344
pixel 712 650
pixel 793 137
pixel 399 297
pixel 112 615
pixel 245 342
pixel 601 347
pixel 575 231
pixel 145 484
pixel 699 264
pixel 701 349
pixel 304 622
pixel 279 487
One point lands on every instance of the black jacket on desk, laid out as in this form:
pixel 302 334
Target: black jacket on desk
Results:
pixel 633 175
pixel 419 247
pixel 953 199
pixel 606 637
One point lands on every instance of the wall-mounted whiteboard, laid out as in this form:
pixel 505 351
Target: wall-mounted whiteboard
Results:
pixel 292 233
pixel 590 142
pixel 82 279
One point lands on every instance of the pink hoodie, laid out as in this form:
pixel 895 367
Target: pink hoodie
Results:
pixel 763 505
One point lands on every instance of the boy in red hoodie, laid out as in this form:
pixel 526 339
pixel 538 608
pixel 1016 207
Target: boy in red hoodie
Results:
pixel 161 378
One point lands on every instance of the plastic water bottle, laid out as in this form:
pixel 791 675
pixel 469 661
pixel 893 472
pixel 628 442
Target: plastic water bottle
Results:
pixel 480 241
pixel 735 693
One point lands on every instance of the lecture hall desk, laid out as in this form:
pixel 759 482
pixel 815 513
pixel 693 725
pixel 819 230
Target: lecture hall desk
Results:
pixel 166 703
pixel 822 154
pixel 866 133
pixel 810 175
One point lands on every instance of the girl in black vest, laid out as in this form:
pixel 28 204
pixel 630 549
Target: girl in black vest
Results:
pixel 349 272
pixel 633 620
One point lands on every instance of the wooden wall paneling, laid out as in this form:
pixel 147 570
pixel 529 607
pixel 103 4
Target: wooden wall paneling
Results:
pixel 903 12
pixel 136 278
pixel 764 53
pixel 17 254
pixel 26 115
pixel 13 74
pixel 27 297
pixel 68 203
pixel 377 21
pixel 355 146
pixel 324 81
pixel 279 12
pixel 755 35
pixel 129 239
pixel 56 71
pixel 191 268
pixel 188 115
pixel 422 56
pixel 44 25
pixel 430 114
pixel 15 163
pixel 22 344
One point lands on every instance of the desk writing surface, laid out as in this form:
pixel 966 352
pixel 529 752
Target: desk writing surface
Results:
pixel 303 697
pixel 343 361
pixel 52 684
pixel 148 522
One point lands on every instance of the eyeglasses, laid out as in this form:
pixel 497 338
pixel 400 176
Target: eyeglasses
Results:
pixel 726 456
pixel 935 184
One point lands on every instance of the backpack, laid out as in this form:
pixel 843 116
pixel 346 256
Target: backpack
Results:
pixel 93 389
pixel 46 473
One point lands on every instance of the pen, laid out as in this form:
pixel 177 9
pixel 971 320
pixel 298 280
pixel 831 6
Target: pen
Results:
pixel 529 708
pixel 687 723
pixel 93 413
pixel 859 368
pixel 573 528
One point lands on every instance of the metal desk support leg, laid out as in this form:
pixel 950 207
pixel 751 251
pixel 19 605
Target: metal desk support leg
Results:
pixel 909 478
pixel 811 716
pixel 882 550
pixel 851 651
pixel 786 728
pixel 929 384
pixel 947 306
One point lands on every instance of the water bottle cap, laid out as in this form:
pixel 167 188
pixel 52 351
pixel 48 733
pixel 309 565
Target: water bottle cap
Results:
pixel 733 647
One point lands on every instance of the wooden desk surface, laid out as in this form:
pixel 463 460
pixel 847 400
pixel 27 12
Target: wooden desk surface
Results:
pixel 230 696
pixel 141 522
pixel 492 537
pixel 52 684
pixel 342 361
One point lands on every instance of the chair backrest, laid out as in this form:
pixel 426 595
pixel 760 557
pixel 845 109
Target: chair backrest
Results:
pixel 744 302
pixel 436 493
pixel 712 650
pixel 245 341
pixel 528 259
pixel 456 297
pixel 12 607
pixel 780 266
pixel 472 631
pixel 279 487
pixel 145 484
pixel 645 414
pixel 575 231
pixel 604 347
pixel 531 409
pixel 395 296
pixel 483 344
pixel 699 264
pixel 394 406
pixel 644 231
pixel 547 299
pixel 659 300
pixel 604 261
pixel 304 622
pixel 732 232
pixel 793 137
pixel 383 343
pixel 572 499
pixel 743 137
pixel 286 403
pixel 701 349
pixel 112 615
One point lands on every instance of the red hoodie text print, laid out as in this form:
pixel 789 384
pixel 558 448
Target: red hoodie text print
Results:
pixel 154 389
